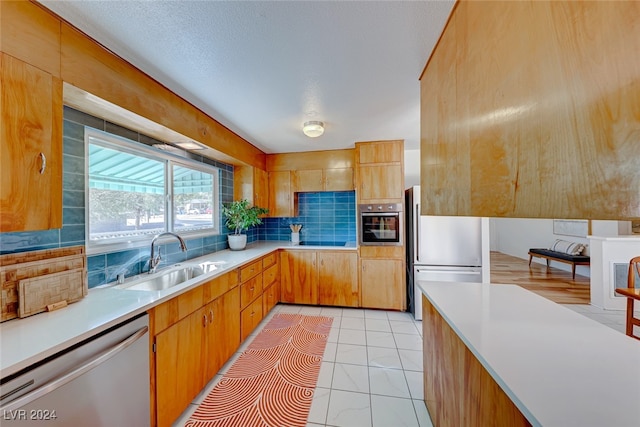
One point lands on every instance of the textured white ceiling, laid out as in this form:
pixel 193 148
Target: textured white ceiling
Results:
pixel 262 68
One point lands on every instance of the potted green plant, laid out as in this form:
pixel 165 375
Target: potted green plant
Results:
pixel 240 215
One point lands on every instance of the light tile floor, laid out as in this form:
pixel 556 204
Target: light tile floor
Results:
pixel 371 374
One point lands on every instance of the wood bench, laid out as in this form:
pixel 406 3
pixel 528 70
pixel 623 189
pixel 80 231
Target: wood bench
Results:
pixel 550 255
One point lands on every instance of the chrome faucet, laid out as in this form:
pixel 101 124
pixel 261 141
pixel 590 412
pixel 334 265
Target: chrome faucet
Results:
pixel 154 261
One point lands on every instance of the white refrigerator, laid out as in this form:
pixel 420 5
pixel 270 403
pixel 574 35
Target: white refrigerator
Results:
pixel 439 248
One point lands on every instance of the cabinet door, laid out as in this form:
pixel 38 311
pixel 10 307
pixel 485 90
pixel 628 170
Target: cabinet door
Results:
pixel 179 366
pixel 307 180
pixel 260 188
pixel 380 152
pixel 222 333
pixel 338 179
pixel 30 147
pixel 298 277
pixel 280 199
pixel 380 183
pixel 338 279
pixel 382 283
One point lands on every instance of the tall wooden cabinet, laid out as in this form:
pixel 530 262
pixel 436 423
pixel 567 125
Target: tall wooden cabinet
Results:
pixel 380 179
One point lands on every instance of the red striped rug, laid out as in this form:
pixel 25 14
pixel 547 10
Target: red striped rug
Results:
pixel 272 382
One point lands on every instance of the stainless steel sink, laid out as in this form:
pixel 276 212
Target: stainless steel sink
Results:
pixel 164 279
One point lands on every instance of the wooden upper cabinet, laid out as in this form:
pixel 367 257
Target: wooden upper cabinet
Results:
pixel 380 171
pixel 280 194
pixel 252 184
pixel 308 180
pixel 380 184
pixel 379 152
pixel 30 147
pixel 339 179
pixel 260 188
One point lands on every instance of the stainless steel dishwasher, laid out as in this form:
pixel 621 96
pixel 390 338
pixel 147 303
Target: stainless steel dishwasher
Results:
pixel 103 381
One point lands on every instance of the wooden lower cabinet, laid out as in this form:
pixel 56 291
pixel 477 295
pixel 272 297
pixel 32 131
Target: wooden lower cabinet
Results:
pixel 383 283
pixel 178 366
pixel 338 278
pixel 191 351
pixel 298 277
pixel 319 277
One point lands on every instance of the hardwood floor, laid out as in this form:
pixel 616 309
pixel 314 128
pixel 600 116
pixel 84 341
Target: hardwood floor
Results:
pixel 555 284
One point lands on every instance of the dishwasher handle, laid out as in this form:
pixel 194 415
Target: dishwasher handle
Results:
pixel 70 376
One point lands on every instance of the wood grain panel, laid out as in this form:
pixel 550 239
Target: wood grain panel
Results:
pixel 458 390
pixel 535 115
pixel 32 34
pixel 326 159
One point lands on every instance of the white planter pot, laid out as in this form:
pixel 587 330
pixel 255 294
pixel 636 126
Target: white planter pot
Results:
pixel 237 242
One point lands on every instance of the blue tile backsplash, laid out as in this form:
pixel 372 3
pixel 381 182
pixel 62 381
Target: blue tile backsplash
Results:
pixel 328 217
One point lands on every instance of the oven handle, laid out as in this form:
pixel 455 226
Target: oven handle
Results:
pixel 70 376
pixel 380 213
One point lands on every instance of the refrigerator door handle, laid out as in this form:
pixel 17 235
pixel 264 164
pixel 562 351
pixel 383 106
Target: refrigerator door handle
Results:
pixel 444 270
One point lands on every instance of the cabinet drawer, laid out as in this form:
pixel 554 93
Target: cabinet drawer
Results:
pixel 250 290
pixel 270 275
pixel 250 270
pixel 218 286
pixel 170 312
pixel 250 318
pixel 269 260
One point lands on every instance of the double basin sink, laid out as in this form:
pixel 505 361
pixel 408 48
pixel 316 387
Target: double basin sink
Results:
pixel 170 276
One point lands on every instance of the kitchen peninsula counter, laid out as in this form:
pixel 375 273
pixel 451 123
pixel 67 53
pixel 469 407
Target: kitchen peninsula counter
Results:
pixel 24 342
pixel 557 367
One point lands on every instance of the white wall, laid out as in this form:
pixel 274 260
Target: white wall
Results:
pixel 515 236
pixel 411 168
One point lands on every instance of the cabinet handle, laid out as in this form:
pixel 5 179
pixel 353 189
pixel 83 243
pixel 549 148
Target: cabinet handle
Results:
pixel 204 321
pixel 210 316
pixel 43 164
pixel 251 289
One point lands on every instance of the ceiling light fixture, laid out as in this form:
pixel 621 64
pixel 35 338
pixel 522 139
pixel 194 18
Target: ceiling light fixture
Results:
pixel 313 129
pixel 190 145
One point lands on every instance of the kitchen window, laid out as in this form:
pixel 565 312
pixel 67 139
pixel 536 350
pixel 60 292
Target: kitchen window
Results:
pixel 135 191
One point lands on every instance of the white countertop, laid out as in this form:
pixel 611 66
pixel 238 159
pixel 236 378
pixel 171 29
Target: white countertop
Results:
pixel 559 368
pixel 29 340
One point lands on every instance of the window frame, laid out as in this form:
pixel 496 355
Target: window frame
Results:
pixel 169 159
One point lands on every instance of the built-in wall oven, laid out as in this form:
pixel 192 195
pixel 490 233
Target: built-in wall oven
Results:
pixel 380 224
